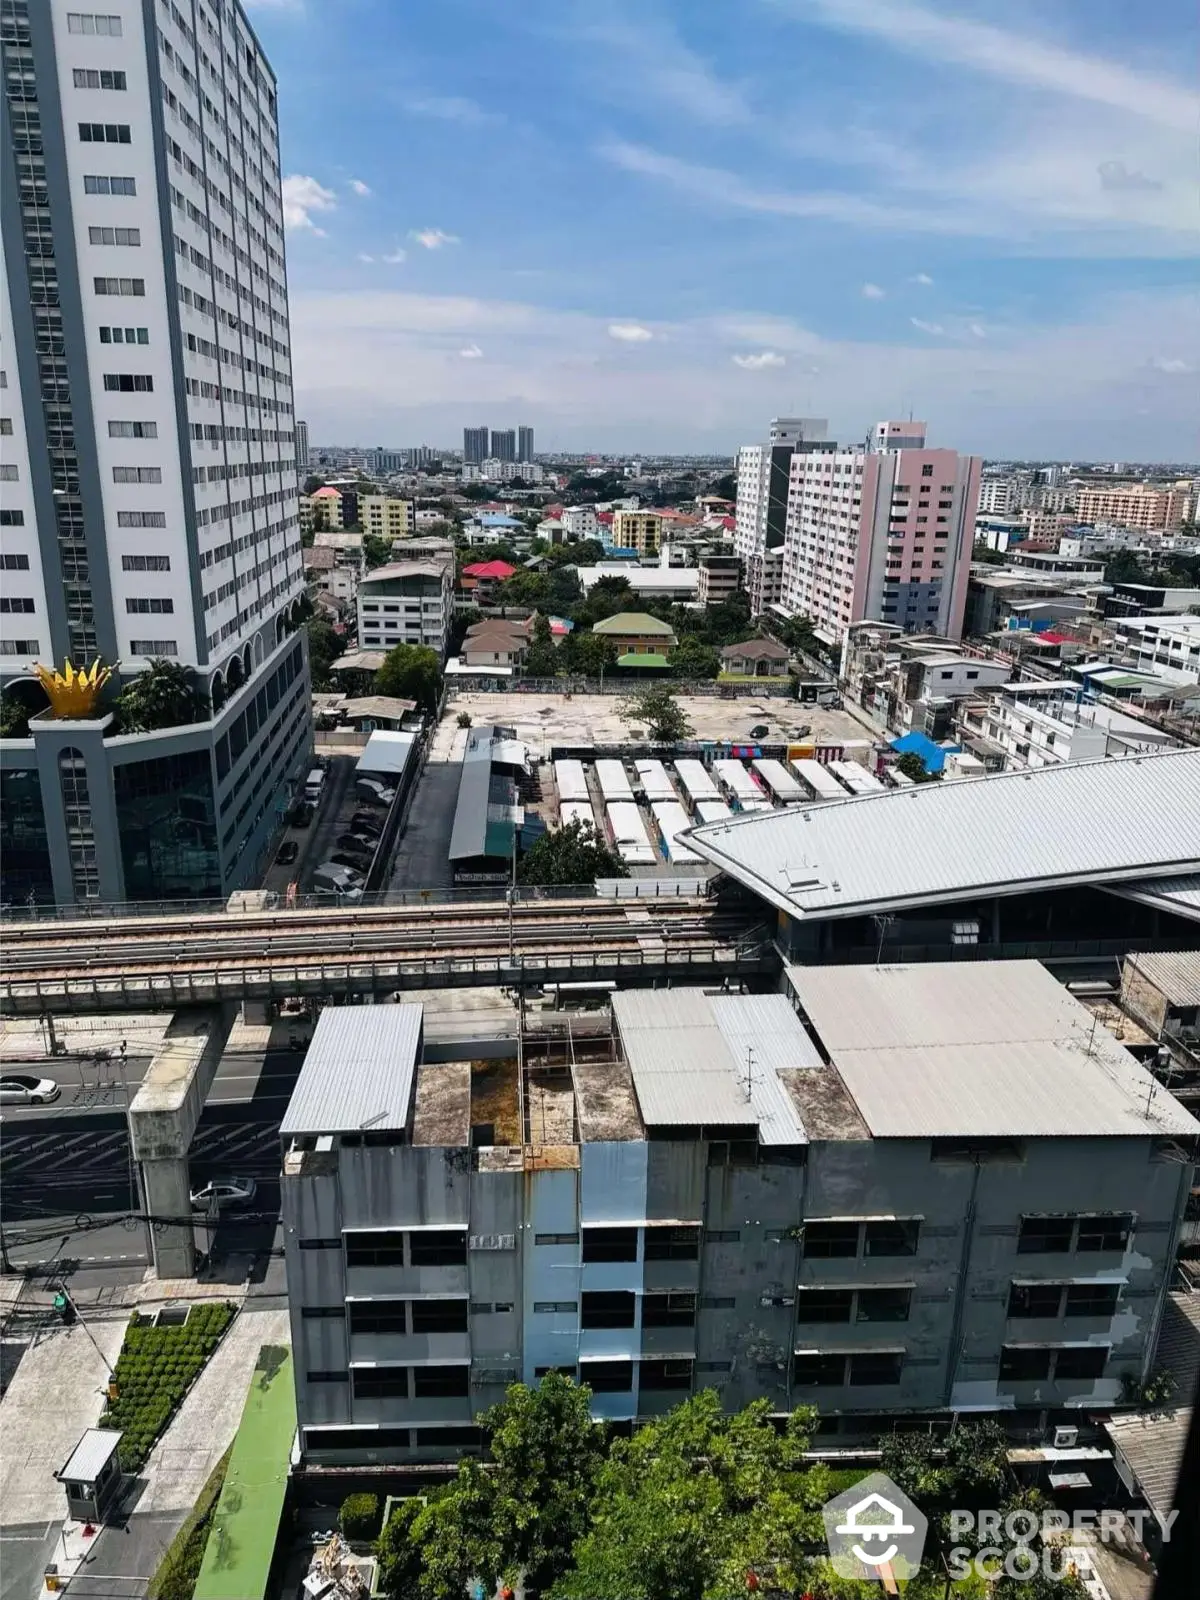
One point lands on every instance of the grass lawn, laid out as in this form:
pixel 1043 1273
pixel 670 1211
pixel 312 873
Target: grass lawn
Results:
pixel 180 1567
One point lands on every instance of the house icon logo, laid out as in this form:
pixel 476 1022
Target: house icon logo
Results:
pixel 874 1531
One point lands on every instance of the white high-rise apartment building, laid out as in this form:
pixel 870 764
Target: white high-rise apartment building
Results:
pixel 998 496
pixel 150 493
pixel 762 489
pixel 301 447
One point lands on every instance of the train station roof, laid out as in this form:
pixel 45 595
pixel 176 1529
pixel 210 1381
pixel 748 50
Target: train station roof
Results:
pixel 1082 822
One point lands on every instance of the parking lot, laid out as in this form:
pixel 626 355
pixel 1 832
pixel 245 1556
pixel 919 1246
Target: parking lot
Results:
pixel 544 720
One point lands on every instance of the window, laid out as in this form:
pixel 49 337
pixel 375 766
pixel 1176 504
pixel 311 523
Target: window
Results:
pixel 672 1244
pixel 1091 1299
pixel 551 1307
pixel 608 1377
pixel 669 1311
pixel 877 1367
pixel 892 1238
pixel 609 1244
pixel 824 1305
pixel 722 1235
pixel 324 1376
pixel 12 519
pixel 6 426
pixel 322 1314
pixel 20 647
pixel 145 563
pixel 1045 1235
pixel 129 382
pixel 883 1305
pixel 382 1249
pixel 366 1440
pixel 1105 1233
pixel 141 519
pixel 13 561
pixel 133 430
pixel 431 1381
pixel 98 184
pixel 132 286
pixel 14 603
pixel 926 472
pixel 818 1371
pixel 8 472
pixel 104 133
pixel 377 1316
pixel 1034 1299
pixel 132 236
pixel 556 1238
pixel 320 1244
pixel 124 335
pixel 380 1383
pixel 153 647
pixel 89 78
pixel 657 1375
pixel 1084 1361
pixel 137 475
pixel 827 1240
pixel 607 1309
pixel 440 1247
pixel 1024 1364
pixel 439 1316
pixel 87 22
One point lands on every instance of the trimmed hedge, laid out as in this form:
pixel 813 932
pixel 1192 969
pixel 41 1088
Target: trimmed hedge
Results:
pixel 180 1567
pixel 360 1517
pixel 155 1369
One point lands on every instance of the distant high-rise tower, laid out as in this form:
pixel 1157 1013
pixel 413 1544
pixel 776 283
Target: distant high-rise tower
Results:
pixel 762 491
pixel 150 496
pixel 524 444
pixel 475 446
pixel 504 445
pixel 301 446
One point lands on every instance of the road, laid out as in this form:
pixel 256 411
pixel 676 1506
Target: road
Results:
pixel 67 1189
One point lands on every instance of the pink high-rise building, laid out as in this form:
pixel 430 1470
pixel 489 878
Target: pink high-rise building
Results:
pixel 882 532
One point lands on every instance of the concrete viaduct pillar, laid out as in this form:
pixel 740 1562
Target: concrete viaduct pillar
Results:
pixel 162 1120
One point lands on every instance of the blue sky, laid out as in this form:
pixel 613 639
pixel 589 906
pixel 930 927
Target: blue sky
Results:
pixel 645 224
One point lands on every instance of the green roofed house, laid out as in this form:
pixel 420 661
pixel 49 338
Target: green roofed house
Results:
pixel 643 658
pixel 637 633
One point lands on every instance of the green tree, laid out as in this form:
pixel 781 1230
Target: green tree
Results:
pixel 604 599
pixel 573 854
pixel 692 658
pixel 691 1501
pixel 541 659
pixel 398 1551
pixel 377 551
pixel 21 699
pixel 166 695
pixel 725 487
pixel 325 645
pixel 411 672
pixel 1123 567
pixel 524 588
pixel 656 709
pixel 312 483
pixel 589 654
pixel 911 765
pixel 985 554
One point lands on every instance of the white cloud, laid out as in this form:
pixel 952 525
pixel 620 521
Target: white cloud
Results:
pixel 360 188
pixel 363 256
pixel 765 358
pixel 432 238
pixel 470 352
pixel 450 108
pixel 927 327
pixel 978 329
pixel 301 197
pixel 1170 364
pixel 1014 58
pixel 872 291
pixel 654 65
pixel 395 257
pixel 629 332
pixel 922 278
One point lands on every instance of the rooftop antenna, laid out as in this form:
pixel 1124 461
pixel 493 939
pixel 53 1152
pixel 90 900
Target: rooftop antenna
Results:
pixel 882 923
pixel 748 1084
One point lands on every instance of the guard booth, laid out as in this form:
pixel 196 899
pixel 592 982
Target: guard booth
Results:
pixel 92 1475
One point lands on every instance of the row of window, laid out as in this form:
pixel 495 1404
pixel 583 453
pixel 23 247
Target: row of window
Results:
pixel 94 183
pixel 93 23
pixel 122 236
pixel 104 133
pixel 112 335
pixel 90 78
pixel 400 1383
pixel 129 382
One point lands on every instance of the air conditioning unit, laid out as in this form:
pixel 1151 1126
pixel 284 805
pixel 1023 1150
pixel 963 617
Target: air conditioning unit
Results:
pixel 1066 1438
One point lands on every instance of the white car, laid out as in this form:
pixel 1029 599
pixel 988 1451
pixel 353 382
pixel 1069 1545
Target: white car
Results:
pixel 226 1192
pixel 26 1089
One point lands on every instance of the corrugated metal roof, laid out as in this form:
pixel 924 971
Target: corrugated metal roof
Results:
pixel 1175 973
pixel 687 1053
pixel 358 1071
pixel 1075 822
pixel 996 1048
pixel 468 835
pixel 387 751
pixel 90 1456
pixel 1180 896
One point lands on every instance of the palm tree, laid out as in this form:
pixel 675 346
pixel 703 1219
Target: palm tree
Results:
pixel 166 695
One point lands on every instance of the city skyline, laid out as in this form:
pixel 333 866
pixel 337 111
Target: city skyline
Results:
pixel 1005 246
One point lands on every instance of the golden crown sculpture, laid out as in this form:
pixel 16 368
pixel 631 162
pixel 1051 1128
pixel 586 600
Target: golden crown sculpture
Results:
pixel 74 691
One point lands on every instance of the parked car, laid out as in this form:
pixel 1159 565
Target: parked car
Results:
pixel 373 792
pixel 354 859
pixel 332 877
pixel 367 822
pixel 287 853
pixel 358 841
pixel 301 816
pixel 27 1089
pixel 226 1192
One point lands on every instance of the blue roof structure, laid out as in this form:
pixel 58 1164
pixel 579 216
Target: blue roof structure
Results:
pixel 933 756
pixel 497 519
